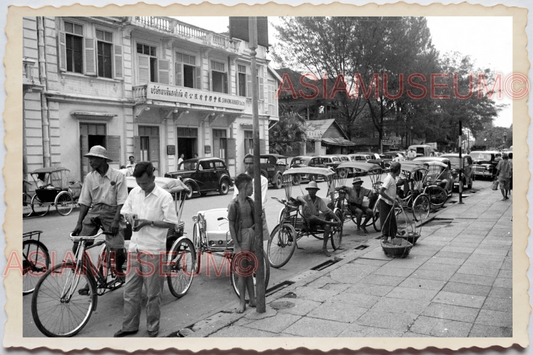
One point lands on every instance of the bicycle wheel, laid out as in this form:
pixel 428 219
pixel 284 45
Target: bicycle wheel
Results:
pixel 233 276
pixel 437 196
pixel 57 307
pixel 196 241
pixel 421 207
pixel 35 262
pixel 281 245
pixel 64 203
pixel 336 232
pixel 38 207
pixel 26 205
pixel 182 266
pixel 375 220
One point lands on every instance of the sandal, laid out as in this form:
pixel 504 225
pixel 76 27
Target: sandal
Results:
pixel 83 291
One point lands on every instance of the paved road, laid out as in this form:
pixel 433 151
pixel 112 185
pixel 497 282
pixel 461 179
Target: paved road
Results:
pixel 208 292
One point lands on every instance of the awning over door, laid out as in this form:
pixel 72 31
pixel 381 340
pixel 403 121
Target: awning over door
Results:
pixel 341 142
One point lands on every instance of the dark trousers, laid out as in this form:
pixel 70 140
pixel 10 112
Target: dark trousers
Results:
pixel 387 219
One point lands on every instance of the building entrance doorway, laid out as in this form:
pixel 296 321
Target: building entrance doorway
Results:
pixel 187 142
pixel 91 134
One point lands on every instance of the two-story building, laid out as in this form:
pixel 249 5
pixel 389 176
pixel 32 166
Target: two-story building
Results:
pixel 151 87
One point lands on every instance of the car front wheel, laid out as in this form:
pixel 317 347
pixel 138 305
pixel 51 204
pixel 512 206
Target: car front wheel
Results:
pixel 224 187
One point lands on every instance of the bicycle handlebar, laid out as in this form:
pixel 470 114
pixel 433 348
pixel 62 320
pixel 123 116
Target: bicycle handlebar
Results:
pixel 83 238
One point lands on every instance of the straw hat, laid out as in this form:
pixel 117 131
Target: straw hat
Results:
pixel 312 185
pixel 98 151
pixel 357 180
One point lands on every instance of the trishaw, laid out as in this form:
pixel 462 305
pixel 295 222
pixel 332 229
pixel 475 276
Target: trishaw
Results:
pixel 61 306
pixel 211 235
pixel 53 189
pixel 292 225
pixel 439 181
pixel 412 193
pixel 374 173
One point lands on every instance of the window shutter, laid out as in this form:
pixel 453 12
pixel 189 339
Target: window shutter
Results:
pixel 84 149
pixel 262 146
pixel 232 148
pixel 154 151
pixel 62 51
pixel 144 70
pixel 179 73
pixel 248 85
pixel 137 147
pixel 225 83
pixel 198 72
pixel 164 71
pixel 261 86
pixel 113 148
pixel 90 60
pixel 118 62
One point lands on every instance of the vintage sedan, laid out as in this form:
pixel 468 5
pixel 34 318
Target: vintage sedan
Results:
pixel 203 175
pixel 484 163
pixel 272 167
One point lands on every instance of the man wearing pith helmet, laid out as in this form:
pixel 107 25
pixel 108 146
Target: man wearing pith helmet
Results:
pixel 317 213
pixel 103 193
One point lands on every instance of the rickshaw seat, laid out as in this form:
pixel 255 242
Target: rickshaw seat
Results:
pixel 216 224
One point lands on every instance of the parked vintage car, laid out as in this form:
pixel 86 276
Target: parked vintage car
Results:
pixel 203 175
pixel 272 167
pixel 484 163
pixel 330 161
pixel 467 169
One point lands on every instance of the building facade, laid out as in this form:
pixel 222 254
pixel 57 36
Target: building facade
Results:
pixel 151 87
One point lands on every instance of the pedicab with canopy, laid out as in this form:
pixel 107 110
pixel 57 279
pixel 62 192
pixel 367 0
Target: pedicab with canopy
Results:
pixel 374 173
pixel 53 189
pixel 292 225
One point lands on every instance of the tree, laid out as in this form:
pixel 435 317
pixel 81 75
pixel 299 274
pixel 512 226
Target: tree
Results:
pixel 289 132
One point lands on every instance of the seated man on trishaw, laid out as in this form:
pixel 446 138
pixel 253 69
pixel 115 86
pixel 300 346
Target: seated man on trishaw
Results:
pixel 355 196
pixel 317 214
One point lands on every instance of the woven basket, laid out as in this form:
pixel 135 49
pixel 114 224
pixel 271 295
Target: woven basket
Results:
pixel 411 237
pixel 397 248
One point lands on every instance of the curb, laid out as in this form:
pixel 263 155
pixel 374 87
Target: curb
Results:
pixel 221 317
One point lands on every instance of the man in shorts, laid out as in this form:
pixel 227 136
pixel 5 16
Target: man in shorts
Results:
pixel 504 171
pixel 317 213
pixel 355 196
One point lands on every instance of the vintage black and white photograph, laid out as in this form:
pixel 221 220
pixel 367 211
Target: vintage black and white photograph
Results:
pixel 296 178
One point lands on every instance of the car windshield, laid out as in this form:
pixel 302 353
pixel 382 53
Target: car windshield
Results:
pixel 481 156
pixel 187 165
pixel 298 161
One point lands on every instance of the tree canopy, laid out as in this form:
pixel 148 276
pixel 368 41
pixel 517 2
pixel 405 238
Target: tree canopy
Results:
pixel 386 69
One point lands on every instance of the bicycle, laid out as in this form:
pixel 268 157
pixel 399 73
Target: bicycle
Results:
pixel 60 309
pixel 342 204
pixel 35 260
pixel 26 200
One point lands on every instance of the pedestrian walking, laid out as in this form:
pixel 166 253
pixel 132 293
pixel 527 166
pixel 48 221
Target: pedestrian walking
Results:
pixel 241 225
pixel 103 193
pixel 151 212
pixel 386 201
pixel 504 171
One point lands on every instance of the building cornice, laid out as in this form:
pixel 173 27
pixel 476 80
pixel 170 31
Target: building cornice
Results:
pixel 64 97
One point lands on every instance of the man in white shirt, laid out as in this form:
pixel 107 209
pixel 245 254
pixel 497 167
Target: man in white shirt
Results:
pixel 151 212
pixel 249 167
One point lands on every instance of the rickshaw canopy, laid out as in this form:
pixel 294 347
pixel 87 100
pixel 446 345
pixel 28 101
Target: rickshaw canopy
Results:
pixel 367 167
pixel 310 170
pixel 48 170
pixel 169 184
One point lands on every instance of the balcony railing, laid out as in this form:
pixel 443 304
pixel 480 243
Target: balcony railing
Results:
pixel 183 30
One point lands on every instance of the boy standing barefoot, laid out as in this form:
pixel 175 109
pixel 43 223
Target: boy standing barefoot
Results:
pixel 241 227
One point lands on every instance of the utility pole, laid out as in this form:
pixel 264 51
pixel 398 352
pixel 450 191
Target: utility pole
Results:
pixel 461 165
pixel 260 272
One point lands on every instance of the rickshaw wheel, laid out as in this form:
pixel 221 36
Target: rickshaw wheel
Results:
pixel 437 196
pixel 336 232
pixel 281 245
pixel 343 173
pixel 233 276
pixel 38 207
pixel 181 260
pixel 375 219
pixel 421 207
pixel 197 245
pixel 64 203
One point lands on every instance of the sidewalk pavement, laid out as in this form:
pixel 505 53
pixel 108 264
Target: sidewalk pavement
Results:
pixel 456 282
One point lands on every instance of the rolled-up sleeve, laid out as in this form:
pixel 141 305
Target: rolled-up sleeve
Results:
pixel 168 209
